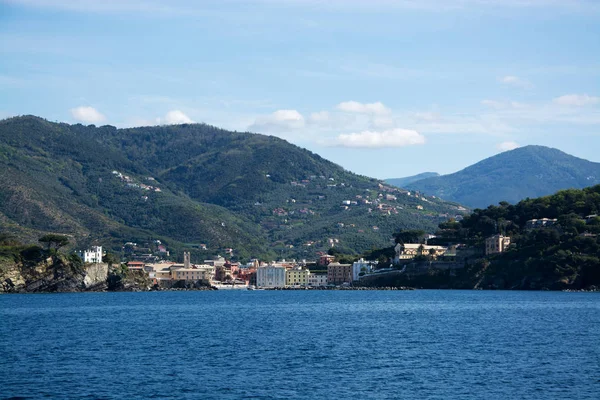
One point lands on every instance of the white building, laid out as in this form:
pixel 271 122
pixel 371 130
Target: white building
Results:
pixel 317 279
pixel 270 276
pixel 358 266
pixel 91 255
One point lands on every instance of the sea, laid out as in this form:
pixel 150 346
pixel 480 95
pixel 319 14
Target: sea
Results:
pixel 422 344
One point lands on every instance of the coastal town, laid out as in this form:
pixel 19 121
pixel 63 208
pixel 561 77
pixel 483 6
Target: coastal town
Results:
pixel 325 272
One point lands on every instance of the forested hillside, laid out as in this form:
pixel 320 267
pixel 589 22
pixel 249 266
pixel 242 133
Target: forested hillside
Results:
pixel 191 184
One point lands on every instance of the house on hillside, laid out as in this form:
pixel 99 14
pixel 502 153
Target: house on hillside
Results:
pixel 496 244
pixel 409 251
pixel 91 255
pixel 540 223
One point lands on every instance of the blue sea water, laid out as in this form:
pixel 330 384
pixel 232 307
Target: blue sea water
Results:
pixel 301 345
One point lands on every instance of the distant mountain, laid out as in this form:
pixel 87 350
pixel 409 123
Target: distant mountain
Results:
pixel 530 171
pixel 193 184
pixel 402 182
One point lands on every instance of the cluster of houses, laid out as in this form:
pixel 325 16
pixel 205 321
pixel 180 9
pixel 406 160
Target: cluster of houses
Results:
pixel 129 182
pixel 219 272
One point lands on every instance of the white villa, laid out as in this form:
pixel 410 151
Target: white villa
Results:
pixel 91 255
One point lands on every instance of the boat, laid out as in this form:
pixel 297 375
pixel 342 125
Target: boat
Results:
pixel 230 285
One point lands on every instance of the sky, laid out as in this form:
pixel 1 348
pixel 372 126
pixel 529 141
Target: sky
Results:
pixel 385 88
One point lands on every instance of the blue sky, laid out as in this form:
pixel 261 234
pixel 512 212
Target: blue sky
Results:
pixel 384 88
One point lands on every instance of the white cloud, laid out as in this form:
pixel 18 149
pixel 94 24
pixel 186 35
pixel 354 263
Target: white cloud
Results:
pixel 87 114
pixel 382 139
pixel 363 108
pixel 578 100
pixel 319 117
pixel 382 122
pixel 277 121
pixel 176 117
pixel 505 146
pixel 516 81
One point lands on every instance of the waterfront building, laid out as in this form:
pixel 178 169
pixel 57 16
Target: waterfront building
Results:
pixel 339 273
pixel 270 276
pixel 196 273
pixel 496 244
pixel 317 280
pixel 296 277
pixel 91 255
pixel 360 266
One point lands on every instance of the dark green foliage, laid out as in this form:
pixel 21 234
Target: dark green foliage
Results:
pixel 563 255
pixel 409 236
pixel 54 242
pixel 257 194
pixel 529 171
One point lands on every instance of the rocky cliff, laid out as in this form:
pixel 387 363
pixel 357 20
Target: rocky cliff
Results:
pixel 67 274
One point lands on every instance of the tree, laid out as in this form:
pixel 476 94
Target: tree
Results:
pixel 409 236
pixel 53 241
pixel 111 259
pixel 432 253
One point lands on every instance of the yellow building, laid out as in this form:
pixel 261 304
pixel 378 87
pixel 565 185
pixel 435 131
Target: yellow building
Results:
pixel 496 244
pixel 296 277
pixel 192 274
pixel 409 251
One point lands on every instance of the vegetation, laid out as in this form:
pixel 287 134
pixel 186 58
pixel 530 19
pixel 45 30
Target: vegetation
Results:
pixel 529 171
pixel 562 253
pixel 190 184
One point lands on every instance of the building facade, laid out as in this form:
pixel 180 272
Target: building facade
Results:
pixel 339 273
pixel 317 280
pixel 496 244
pixel 296 277
pixel 360 266
pixel 191 274
pixel 270 276
pixel 408 251
pixel 91 255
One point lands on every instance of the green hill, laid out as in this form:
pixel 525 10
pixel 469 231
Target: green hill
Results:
pixel 192 184
pixel 554 245
pixel 530 171
pixel 402 182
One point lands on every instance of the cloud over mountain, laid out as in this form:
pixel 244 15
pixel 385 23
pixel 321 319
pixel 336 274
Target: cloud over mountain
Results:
pixel 87 114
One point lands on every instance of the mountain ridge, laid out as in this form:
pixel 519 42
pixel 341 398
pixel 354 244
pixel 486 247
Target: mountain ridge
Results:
pixel 194 183
pixel 529 171
pixel 401 182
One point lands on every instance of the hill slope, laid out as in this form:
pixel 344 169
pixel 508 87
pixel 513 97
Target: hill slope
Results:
pixel 530 171
pixel 191 184
pixel 402 182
